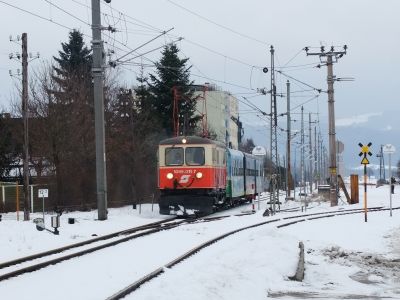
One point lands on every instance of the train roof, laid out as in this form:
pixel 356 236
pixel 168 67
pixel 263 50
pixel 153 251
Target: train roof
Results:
pixel 235 153
pixel 190 140
pixel 256 157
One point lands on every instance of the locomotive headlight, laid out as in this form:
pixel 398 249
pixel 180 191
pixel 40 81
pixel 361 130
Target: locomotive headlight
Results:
pixel 170 175
pixel 199 175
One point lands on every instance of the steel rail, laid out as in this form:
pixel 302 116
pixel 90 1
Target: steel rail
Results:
pixel 334 211
pixel 83 243
pixel 146 230
pixel 57 260
pixel 337 213
pixel 137 284
pixel 134 286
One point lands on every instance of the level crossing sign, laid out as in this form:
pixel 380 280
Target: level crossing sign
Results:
pixel 364 152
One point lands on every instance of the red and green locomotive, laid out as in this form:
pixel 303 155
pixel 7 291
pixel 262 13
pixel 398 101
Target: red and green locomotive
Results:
pixel 198 175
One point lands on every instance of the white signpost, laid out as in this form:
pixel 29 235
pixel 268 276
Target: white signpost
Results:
pixel 390 149
pixel 43 193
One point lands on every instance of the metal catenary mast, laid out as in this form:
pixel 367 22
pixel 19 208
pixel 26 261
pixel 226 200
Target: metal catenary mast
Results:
pixel 273 138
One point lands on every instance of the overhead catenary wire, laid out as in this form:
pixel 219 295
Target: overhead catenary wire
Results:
pixel 140 23
pixel 142 45
pixel 35 15
pixel 222 81
pixel 66 12
pixel 221 54
pixel 290 60
pixel 305 102
pixel 218 25
pixel 299 81
pixel 197 44
pixel 183 39
pixel 146 25
pixel 301 68
pixel 104 14
pixel 154 64
pixel 66 27
pixel 139 55
pixel 252 105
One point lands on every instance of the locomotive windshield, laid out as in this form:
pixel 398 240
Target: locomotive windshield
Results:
pixel 173 156
pixel 194 156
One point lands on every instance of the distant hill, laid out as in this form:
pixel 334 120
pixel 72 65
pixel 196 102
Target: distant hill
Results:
pixel 377 128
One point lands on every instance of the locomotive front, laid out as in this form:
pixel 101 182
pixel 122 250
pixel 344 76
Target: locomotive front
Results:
pixel 190 175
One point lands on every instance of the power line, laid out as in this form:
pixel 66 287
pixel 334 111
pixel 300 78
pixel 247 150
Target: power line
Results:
pixel 299 68
pixel 50 20
pixel 296 66
pixel 147 25
pixel 137 48
pixel 292 58
pixel 141 55
pixel 66 12
pixel 223 81
pixel 33 14
pixel 184 39
pixel 217 24
pixel 143 24
pixel 305 102
pixel 253 106
pixel 131 50
pixel 221 54
pixel 302 82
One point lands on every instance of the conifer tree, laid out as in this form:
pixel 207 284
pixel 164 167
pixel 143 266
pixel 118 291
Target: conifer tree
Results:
pixel 173 74
pixel 71 118
pixel 8 148
pixel 74 63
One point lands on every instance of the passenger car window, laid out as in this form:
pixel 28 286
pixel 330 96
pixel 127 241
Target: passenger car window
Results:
pixel 173 156
pixel 194 156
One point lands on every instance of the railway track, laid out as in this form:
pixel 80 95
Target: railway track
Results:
pixel 300 218
pixel 29 263
pixel 80 244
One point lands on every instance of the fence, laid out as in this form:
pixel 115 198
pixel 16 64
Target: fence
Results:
pixel 12 200
pixel 12 197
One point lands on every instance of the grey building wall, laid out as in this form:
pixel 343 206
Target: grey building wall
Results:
pixel 220 107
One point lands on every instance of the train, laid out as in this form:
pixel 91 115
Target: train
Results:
pixel 197 175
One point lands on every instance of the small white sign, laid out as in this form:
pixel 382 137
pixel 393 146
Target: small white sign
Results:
pixel 259 151
pixel 389 149
pixel 43 193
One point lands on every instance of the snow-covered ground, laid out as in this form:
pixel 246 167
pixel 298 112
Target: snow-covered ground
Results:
pixel 345 257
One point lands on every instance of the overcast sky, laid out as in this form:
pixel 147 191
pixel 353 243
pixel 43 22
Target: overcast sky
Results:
pixel 233 45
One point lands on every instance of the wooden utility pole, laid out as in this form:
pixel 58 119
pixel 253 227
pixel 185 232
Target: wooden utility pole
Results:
pixel 316 173
pixel 330 56
pixel 310 176
pixel 25 118
pixel 288 170
pixel 332 135
pixel 302 145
